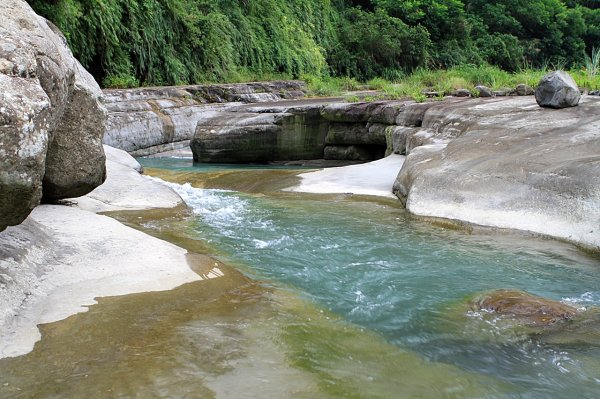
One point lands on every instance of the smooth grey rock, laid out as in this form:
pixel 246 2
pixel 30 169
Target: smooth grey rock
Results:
pixel 349 112
pixel 484 91
pixel 50 115
pixel 594 93
pixel 524 90
pixel 387 113
pixel 513 166
pixel 557 89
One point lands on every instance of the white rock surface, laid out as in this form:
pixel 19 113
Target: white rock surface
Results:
pixel 373 178
pixel 63 257
pixel 126 189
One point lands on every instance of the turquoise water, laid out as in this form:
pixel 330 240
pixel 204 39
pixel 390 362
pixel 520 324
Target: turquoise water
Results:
pixel 405 280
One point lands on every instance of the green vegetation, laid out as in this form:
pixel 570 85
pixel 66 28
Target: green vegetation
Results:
pixel 127 43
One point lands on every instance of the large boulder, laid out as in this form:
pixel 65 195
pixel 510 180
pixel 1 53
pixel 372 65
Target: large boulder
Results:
pixel 557 90
pixel 51 118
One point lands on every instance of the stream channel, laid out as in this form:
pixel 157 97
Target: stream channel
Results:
pixel 323 296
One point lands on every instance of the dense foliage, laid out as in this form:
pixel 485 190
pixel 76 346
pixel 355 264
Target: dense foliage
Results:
pixel 131 42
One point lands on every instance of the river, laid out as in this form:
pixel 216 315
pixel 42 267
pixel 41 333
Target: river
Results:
pixel 324 296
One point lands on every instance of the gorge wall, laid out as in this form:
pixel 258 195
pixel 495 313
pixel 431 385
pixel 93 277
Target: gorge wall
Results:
pixel 51 119
pixel 145 121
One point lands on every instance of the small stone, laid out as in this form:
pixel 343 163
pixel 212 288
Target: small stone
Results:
pixel 461 93
pixel 524 90
pixel 594 93
pixel 6 67
pixel 431 94
pixel 484 91
pixel 499 93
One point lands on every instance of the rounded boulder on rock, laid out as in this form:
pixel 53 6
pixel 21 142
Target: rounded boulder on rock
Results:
pixel 557 89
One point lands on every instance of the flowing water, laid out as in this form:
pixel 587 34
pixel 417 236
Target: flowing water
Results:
pixel 338 297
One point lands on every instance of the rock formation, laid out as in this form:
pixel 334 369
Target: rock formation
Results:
pixel 51 119
pixel 557 90
pixel 146 121
pixel 510 164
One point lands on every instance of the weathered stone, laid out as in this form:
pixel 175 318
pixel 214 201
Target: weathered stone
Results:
pixel 461 93
pixel 523 308
pixel 346 134
pixel 261 134
pixel 594 93
pixel 349 112
pixel 145 120
pixel 387 113
pixel 432 94
pixel 484 91
pixel 512 166
pixel 356 133
pixel 524 90
pixel 52 120
pixel 557 90
pixel 413 114
pixel 23 144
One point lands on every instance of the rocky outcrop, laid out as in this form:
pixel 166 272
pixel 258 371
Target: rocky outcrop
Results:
pixel 51 119
pixel 509 164
pixel 261 133
pixel 557 90
pixel 146 121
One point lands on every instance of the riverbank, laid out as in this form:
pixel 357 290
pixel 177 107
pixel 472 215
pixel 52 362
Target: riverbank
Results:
pixel 64 256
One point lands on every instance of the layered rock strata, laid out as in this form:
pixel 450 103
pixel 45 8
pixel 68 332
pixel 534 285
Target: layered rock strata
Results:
pixel 146 121
pixel 51 119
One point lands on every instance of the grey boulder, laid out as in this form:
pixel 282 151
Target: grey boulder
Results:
pixel 557 90
pixel 51 118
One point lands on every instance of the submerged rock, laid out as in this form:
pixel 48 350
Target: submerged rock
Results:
pixel 522 307
pixel 557 90
pixel 51 119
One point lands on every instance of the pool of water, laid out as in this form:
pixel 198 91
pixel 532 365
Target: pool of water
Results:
pixel 338 296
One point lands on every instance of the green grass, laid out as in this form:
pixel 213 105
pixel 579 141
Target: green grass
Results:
pixel 445 81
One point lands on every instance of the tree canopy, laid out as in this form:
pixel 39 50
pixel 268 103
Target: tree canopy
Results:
pixel 150 42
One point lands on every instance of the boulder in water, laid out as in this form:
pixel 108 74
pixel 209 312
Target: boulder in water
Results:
pixel 557 90
pixel 523 307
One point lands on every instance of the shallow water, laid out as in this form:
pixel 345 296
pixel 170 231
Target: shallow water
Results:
pixel 348 297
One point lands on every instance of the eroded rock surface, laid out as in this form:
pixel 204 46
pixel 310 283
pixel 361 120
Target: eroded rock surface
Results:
pixel 51 119
pixel 511 164
pixel 146 121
